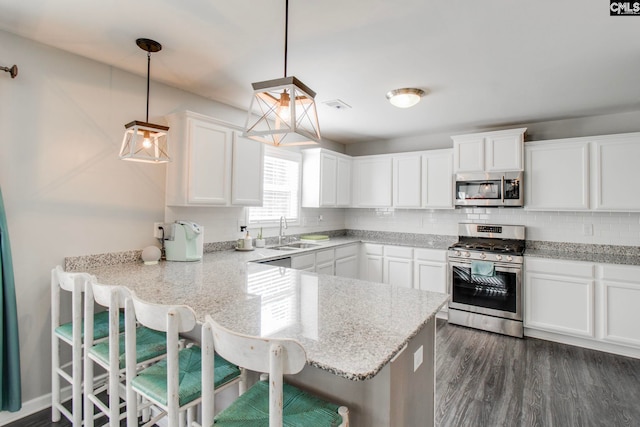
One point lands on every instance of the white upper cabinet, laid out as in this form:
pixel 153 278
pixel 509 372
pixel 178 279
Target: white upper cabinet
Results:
pixel 204 164
pixel 247 172
pixel 407 181
pixel 423 180
pixel 326 179
pixel 489 151
pixel 557 175
pixel 372 181
pixel 591 173
pixel 437 179
pixel 615 165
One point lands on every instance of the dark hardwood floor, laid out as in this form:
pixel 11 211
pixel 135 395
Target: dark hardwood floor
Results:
pixel 485 379
pixel 489 380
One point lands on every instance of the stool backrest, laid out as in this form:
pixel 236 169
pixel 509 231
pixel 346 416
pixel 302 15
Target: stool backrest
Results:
pixel 109 296
pixel 158 316
pixel 254 353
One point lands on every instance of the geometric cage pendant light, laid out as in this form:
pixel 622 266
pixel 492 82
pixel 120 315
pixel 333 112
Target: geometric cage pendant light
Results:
pixel 283 111
pixel 144 141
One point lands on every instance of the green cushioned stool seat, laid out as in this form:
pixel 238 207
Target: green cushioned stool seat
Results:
pixel 149 345
pixel 299 409
pixel 100 327
pixel 153 380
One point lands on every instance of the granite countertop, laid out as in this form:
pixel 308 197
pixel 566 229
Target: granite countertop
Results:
pixel 601 258
pixel 349 327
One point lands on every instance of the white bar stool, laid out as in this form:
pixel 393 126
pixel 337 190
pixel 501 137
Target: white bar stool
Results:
pixel 173 385
pixel 70 333
pixel 110 354
pixel 272 400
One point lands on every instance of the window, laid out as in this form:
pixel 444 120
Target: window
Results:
pixel 281 188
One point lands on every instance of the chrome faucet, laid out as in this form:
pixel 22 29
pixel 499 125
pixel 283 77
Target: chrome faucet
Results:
pixel 283 226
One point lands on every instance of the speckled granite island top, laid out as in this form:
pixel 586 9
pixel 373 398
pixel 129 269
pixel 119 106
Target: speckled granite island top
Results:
pixel 351 328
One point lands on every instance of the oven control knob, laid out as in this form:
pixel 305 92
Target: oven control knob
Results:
pixel 483 255
pixel 509 258
pixel 467 254
pixel 457 253
pixel 498 257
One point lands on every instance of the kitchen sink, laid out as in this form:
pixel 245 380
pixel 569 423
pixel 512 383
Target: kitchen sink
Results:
pixel 301 245
pixel 292 246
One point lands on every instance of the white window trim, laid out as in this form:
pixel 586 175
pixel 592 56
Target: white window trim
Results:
pixel 295 156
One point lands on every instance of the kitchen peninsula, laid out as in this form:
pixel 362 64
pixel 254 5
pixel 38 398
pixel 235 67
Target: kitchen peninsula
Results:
pixel 369 346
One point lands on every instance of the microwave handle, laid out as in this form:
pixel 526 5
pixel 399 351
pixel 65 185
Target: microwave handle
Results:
pixel 502 191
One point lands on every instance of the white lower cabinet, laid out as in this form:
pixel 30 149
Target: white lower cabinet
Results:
pixel 398 266
pixel 559 296
pixel 346 264
pixel 619 295
pixel 588 304
pixel 305 262
pixel 324 262
pixel 430 270
pixel 372 262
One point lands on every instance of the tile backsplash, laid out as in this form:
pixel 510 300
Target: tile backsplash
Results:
pixel 612 228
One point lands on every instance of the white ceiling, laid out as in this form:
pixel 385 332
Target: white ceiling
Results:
pixel 489 63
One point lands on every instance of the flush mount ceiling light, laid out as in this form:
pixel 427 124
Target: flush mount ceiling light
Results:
pixel 144 141
pixel 285 110
pixel 405 97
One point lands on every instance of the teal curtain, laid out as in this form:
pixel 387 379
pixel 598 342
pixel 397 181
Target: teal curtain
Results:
pixel 10 389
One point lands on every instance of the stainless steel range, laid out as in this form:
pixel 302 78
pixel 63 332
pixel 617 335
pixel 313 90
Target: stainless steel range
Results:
pixel 485 270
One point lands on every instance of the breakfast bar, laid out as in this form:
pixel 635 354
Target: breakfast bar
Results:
pixel 370 346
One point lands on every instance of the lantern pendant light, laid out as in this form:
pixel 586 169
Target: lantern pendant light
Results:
pixel 144 141
pixel 286 106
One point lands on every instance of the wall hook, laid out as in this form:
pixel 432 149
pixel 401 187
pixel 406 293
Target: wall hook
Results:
pixel 11 70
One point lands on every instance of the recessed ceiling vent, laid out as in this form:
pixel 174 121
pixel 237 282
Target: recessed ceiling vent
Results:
pixel 337 104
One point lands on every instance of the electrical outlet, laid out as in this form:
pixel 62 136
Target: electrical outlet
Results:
pixel 158 230
pixel 418 358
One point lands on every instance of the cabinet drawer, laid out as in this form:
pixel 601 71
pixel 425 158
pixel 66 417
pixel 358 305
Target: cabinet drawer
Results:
pixel 437 255
pixel 373 249
pixel 301 262
pixel 624 273
pixel 346 251
pixel 398 252
pixel 563 267
pixel 324 256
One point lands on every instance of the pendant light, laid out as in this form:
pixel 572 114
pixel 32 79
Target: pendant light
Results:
pixel 286 106
pixel 144 141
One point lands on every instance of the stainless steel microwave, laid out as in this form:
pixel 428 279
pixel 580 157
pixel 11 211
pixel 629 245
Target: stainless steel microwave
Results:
pixel 489 189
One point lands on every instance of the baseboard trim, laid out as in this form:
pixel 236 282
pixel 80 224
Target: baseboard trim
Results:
pixel 32 406
pixel 583 342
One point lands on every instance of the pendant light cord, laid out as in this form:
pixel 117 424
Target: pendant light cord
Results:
pixel 286 35
pixel 148 72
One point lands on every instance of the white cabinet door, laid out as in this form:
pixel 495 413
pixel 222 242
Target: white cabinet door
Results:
pixel 489 151
pixel 328 174
pixel 347 267
pixel 620 299
pixel 372 268
pixel 559 296
pixel 305 262
pixel 209 163
pixel 398 266
pixel 343 178
pixel 407 182
pixel 247 170
pixel 469 155
pixel 503 153
pixel 326 178
pixel 557 176
pixel 615 173
pixel 372 183
pixel 437 179
pixel 326 268
pixel 430 270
